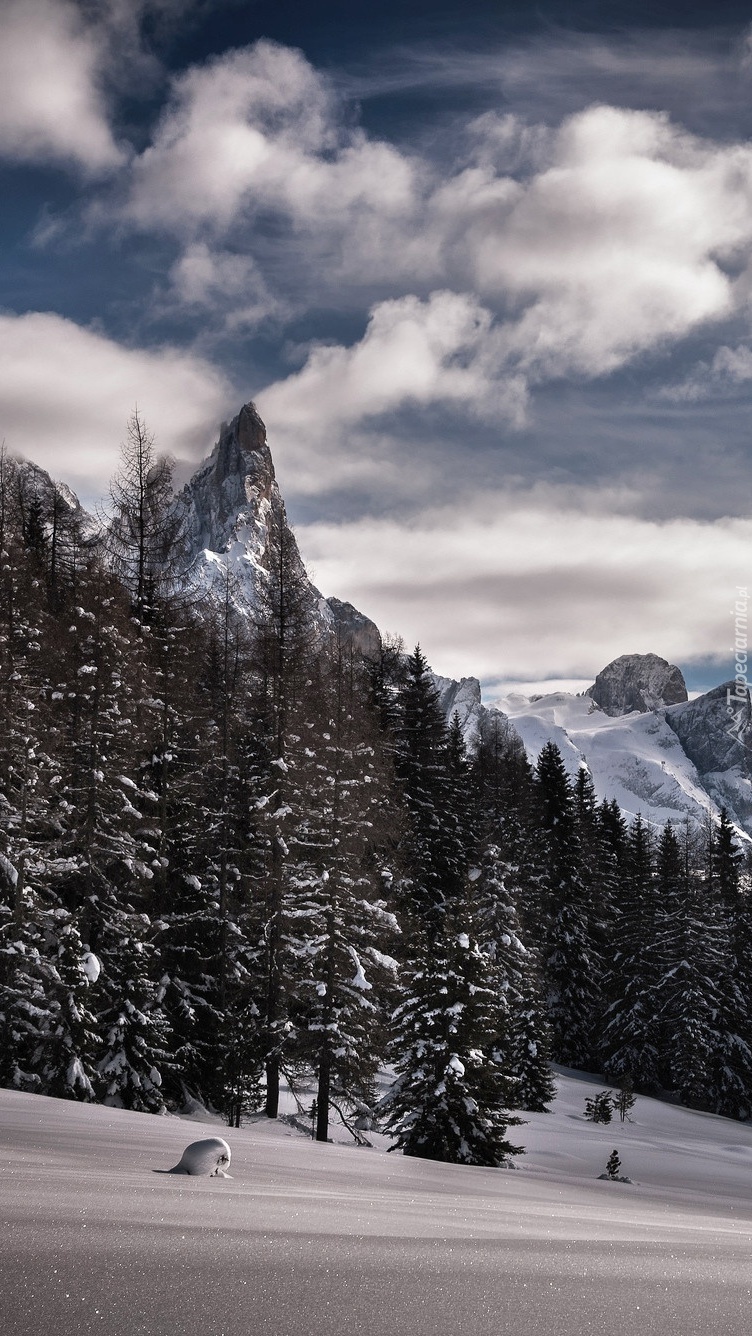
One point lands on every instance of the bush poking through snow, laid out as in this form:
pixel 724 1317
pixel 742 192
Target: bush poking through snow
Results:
pixel 613 1164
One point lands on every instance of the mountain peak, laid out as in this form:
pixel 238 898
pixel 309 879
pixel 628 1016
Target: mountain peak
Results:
pixel 641 682
pixel 229 490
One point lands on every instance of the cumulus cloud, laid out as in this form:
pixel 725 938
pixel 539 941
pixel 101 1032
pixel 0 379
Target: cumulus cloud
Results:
pixel 438 351
pixel 616 245
pixel 52 106
pixel 66 393
pixel 255 129
pixel 614 233
pixel 536 589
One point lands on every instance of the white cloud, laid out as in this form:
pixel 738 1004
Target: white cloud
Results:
pixel 535 589
pixel 66 393
pixel 413 353
pixel 256 129
pixel 614 247
pixel 614 234
pixel 52 107
pixel 223 283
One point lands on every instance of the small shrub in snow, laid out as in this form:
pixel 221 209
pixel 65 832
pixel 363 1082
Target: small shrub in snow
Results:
pixel 600 1108
pixel 613 1164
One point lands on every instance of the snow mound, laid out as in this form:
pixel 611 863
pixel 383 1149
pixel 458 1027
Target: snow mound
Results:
pixel 209 1156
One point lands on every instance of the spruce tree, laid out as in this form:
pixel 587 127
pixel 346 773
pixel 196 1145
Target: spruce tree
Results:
pixel 449 1098
pixel 338 847
pixel 571 961
pixel 631 1038
pixel 686 989
pixel 730 1080
pixel 286 644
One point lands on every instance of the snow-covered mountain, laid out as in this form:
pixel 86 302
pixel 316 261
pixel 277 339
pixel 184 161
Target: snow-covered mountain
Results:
pixel 666 761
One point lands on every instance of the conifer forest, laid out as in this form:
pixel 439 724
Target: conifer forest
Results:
pixel 236 852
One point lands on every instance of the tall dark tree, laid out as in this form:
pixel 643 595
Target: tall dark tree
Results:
pixel 451 1090
pixel 686 988
pixel 340 844
pixel 631 1040
pixel 570 956
pixel 286 635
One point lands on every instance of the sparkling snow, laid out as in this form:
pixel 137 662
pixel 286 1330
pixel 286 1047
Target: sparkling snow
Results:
pixel 314 1240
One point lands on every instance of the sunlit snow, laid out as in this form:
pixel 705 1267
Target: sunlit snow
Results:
pixel 315 1240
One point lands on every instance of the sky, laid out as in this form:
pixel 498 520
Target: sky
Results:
pixel 485 269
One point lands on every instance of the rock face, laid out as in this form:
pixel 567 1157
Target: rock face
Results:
pixel 638 682
pixel 715 732
pixel 462 698
pixel 232 504
pixel 359 630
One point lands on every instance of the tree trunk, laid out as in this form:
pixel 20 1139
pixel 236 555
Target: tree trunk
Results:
pixel 322 1095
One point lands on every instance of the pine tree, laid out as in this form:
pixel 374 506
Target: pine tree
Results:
pixel 145 533
pixel 631 1039
pixel 434 837
pixel 525 1041
pixel 571 962
pixel 686 991
pixel 449 1032
pixel 286 642
pixel 69 1041
pixel 337 848
pixel 448 1100
pixel 135 1035
pixel 730 1081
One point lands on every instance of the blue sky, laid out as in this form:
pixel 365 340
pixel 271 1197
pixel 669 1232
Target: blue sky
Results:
pixel 485 269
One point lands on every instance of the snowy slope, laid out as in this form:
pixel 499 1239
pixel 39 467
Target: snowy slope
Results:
pixel 327 1240
pixel 636 758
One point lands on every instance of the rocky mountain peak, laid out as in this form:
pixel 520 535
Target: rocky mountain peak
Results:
pixel 229 495
pixel 358 630
pixel 639 682
pixel 231 506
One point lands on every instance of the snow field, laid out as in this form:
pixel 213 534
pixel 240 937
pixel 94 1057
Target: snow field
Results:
pixel 325 1240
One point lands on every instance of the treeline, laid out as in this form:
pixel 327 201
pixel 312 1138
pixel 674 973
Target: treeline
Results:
pixel 233 851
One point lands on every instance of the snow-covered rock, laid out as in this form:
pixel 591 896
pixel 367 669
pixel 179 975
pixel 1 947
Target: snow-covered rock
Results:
pixel 715 731
pixel 638 759
pixel 230 506
pixel 638 682
pixel 464 699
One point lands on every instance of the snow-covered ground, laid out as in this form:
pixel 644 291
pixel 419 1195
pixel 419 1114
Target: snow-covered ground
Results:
pixel 314 1240
pixel 635 758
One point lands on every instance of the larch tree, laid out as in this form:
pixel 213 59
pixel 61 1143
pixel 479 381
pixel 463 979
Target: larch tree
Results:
pixel 286 645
